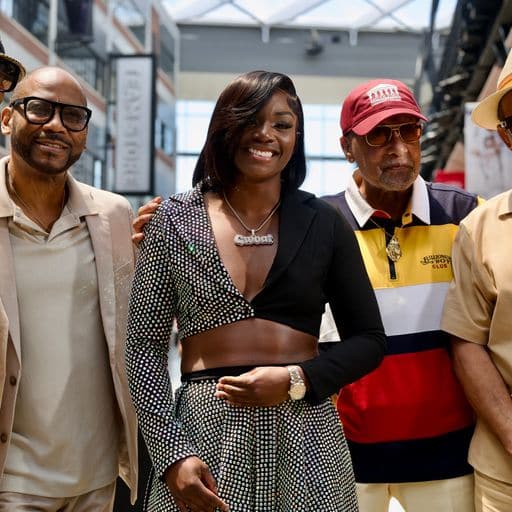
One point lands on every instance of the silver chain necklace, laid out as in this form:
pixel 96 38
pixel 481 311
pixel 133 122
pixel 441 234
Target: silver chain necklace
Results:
pixel 253 238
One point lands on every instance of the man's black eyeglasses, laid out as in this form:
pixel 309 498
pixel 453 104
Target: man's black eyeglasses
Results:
pixel 9 75
pixel 39 111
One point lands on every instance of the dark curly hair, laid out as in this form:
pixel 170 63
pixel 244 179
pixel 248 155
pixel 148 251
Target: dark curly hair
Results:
pixel 236 107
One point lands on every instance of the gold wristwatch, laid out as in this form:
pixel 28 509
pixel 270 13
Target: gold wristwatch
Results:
pixel 297 386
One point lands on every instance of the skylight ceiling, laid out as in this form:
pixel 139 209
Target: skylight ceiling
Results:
pixel 411 15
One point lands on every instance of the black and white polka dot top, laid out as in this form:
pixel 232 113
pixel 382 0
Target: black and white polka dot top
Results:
pixel 184 259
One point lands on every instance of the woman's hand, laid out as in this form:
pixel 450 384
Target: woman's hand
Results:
pixel 144 214
pixel 193 486
pixel 261 387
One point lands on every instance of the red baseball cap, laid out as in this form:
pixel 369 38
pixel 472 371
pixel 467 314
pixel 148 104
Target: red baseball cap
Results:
pixel 370 103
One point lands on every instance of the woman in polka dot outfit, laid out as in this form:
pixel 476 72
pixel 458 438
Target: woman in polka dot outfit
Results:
pixel 246 263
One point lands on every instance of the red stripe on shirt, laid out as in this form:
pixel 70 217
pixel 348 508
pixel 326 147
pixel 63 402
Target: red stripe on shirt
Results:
pixel 409 396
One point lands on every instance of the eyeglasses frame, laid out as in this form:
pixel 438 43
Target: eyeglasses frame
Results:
pixel 505 131
pixel 394 128
pixel 54 104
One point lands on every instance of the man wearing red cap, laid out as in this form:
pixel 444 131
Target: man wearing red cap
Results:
pixel 478 313
pixel 408 423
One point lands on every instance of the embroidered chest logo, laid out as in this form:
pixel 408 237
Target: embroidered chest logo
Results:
pixel 382 93
pixel 437 261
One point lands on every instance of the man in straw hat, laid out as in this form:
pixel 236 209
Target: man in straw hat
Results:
pixel 407 423
pixel 478 314
pixel 11 72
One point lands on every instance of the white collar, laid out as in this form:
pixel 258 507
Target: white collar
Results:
pixel 362 211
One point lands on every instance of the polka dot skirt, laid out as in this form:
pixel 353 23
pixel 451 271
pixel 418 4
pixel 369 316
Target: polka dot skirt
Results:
pixel 288 458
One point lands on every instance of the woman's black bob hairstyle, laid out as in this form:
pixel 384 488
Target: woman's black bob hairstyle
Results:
pixel 236 107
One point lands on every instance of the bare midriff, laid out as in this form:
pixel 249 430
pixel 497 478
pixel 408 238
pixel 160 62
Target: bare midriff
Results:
pixel 251 342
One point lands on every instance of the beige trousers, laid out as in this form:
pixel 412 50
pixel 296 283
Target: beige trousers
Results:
pixel 492 495
pixel 451 495
pixel 99 500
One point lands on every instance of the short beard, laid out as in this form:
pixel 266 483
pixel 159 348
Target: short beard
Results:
pixel 398 185
pixel 24 151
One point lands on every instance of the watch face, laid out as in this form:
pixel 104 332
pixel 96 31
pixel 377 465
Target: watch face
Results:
pixel 297 391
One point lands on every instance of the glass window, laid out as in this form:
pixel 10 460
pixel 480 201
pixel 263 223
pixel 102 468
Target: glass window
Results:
pixel 321 126
pixel 327 176
pixel 164 127
pixel 192 120
pixel 185 169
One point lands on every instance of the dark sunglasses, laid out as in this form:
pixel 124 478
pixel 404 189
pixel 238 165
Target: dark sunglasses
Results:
pixel 504 129
pixel 39 111
pixel 381 135
pixel 9 75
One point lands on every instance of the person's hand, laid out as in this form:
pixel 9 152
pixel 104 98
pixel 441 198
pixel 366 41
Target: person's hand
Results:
pixel 261 387
pixel 144 214
pixel 193 486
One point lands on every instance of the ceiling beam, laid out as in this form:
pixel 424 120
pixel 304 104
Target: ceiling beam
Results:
pixel 292 10
pixel 369 17
pixel 196 9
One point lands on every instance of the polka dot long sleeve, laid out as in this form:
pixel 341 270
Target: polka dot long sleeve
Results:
pixel 152 309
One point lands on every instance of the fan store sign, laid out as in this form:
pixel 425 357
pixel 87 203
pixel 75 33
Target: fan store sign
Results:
pixel 134 124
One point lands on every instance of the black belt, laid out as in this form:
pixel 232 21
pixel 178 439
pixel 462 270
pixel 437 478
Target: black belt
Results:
pixel 217 373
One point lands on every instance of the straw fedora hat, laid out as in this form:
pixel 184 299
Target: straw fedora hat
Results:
pixel 18 64
pixel 485 113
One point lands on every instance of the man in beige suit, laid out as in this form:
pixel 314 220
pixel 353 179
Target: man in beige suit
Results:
pixel 67 424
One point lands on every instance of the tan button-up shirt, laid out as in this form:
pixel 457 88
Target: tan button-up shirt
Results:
pixel 478 309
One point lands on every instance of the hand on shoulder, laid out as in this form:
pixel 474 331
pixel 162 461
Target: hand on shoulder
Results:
pixel 144 215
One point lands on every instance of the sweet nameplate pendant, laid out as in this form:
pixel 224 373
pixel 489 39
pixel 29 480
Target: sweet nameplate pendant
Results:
pixel 253 239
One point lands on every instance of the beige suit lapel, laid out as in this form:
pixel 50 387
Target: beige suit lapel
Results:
pixel 8 288
pixel 99 230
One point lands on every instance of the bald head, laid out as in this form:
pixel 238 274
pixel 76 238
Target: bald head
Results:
pixel 48 134
pixel 61 85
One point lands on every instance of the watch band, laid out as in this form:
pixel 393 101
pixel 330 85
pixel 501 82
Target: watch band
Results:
pixel 297 389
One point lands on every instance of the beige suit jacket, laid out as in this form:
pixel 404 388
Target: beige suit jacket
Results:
pixel 108 218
